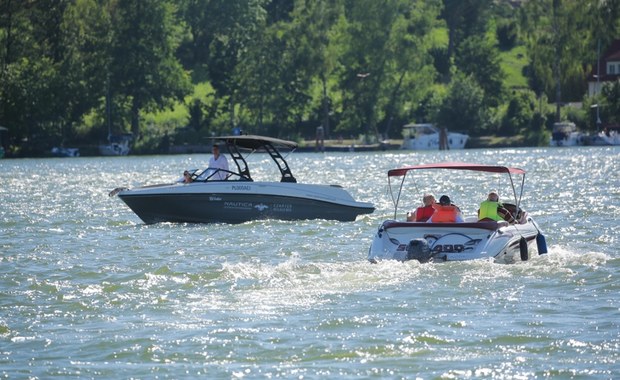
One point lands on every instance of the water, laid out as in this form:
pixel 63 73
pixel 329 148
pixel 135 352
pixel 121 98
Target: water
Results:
pixel 88 291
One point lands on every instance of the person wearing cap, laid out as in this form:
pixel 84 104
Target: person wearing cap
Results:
pixel 421 214
pixel 446 212
pixel 492 209
pixel 218 161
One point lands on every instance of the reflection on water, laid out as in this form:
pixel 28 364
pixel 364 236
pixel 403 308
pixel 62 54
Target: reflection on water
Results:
pixel 87 290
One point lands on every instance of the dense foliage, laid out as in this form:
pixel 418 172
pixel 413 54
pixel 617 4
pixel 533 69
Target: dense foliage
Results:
pixel 72 71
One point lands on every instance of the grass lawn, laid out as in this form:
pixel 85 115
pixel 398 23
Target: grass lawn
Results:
pixel 513 62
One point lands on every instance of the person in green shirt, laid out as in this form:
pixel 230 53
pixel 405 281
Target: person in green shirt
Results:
pixel 492 208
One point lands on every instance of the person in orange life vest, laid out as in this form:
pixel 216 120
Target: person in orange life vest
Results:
pixel 421 214
pixel 446 212
pixel 492 209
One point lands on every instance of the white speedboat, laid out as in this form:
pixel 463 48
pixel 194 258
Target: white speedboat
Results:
pixel 609 136
pixel 501 241
pixel 238 198
pixel 118 145
pixel 428 137
pixel 65 152
pixel 566 134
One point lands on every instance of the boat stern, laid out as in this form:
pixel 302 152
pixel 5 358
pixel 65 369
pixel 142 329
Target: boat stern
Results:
pixel 403 241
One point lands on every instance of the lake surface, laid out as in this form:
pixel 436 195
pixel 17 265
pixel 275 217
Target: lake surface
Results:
pixel 88 291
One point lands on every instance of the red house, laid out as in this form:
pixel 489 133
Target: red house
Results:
pixel 609 69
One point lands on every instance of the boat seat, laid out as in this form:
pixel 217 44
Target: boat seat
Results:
pixel 500 223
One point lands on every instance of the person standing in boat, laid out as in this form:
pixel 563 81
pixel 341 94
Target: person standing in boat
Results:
pixel 218 161
pixel 421 214
pixel 446 212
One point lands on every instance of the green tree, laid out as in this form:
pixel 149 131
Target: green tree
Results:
pixel 29 64
pixel 610 108
pixel 85 34
pixel 463 108
pixel 265 84
pixel 519 114
pixel 384 64
pixel 222 32
pixel 480 59
pixel 144 72
pixel 315 21
pixel 556 46
pixel 48 74
pixel 464 18
pixel 409 70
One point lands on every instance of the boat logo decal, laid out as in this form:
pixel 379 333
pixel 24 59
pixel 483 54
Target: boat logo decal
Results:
pixel 456 243
pixel 213 198
pixel 238 205
pixel 261 207
pixel 449 248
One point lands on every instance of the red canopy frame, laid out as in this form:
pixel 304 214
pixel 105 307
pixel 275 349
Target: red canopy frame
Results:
pixel 457 166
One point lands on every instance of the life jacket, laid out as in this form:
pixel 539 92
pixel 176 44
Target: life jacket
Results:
pixel 488 209
pixel 423 213
pixel 445 214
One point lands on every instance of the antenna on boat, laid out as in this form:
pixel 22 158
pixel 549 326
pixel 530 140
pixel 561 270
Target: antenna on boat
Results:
pixel 400 189
pixel 523 250
pixel 598 86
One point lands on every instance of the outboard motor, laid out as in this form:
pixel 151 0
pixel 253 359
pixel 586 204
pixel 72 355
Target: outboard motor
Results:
pixel 418 249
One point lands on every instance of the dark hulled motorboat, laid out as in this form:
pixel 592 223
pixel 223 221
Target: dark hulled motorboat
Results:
pixel 238 198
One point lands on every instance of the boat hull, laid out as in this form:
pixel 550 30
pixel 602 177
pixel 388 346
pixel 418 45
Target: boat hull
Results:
pixel 113 150
pixel 428 137
pixel 223 202
pixel 496 241
pixel 431 142
pixel 574 139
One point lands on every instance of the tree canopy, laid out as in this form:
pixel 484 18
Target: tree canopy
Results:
pixel 76 70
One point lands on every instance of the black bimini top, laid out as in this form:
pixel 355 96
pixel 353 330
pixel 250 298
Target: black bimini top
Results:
pixel 254 142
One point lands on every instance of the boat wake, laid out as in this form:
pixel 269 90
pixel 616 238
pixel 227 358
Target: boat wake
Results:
pixel 293 284
pixel 262 288
pixel 567 256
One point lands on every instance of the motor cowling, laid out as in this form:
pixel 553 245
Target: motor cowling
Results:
pixel 418 249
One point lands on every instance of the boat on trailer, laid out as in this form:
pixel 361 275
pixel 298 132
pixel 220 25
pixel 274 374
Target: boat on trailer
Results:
pixel 235 197
pixel 505 241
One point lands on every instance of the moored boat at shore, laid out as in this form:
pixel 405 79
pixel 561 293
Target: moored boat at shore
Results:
pixel 428 137
pixel 566 134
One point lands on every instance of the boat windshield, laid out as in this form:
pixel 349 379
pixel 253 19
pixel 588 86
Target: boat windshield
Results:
pixel 413 130
pixel 209 174
pixel 215 174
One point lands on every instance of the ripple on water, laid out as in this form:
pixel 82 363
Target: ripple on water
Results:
pixel 87 290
